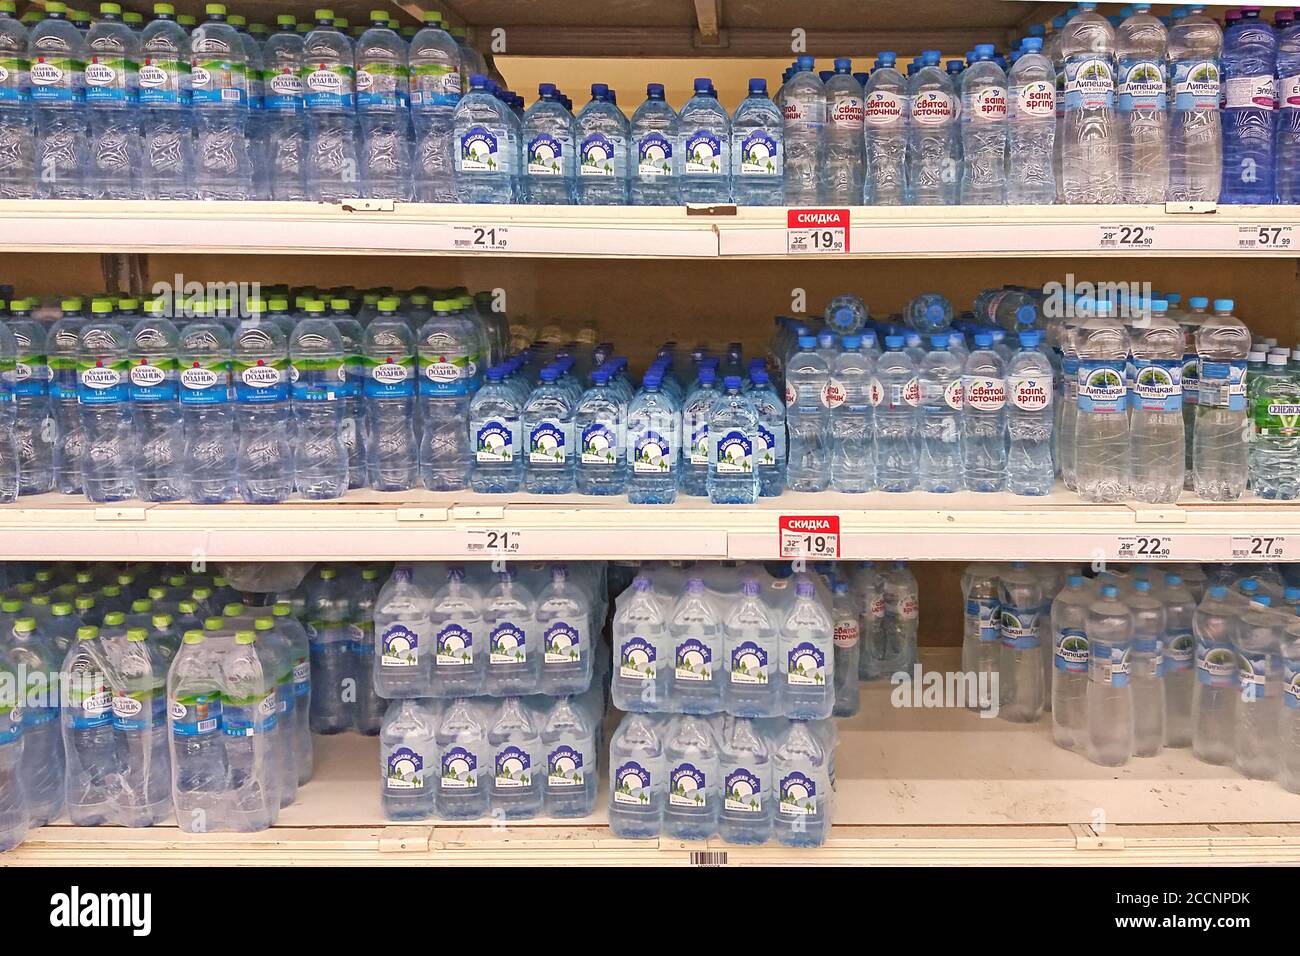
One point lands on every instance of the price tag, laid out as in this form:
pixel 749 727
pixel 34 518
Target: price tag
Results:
pixel 1138 547
pixel 815 537
pixel 493 542
pixel 1259 547
pixel 1127 237
pixel 481 238
pixel 816 231
pixel 1264 238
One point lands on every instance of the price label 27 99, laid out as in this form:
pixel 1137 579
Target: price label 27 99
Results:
pixel 1258 547
pixel 1137 547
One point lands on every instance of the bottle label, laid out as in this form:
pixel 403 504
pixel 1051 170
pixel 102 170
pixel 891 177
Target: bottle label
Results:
pixel 196 715
pixel 846 111
pixel 1221 384
pixel 381 87
pixel 769 446
pixel 283 91
pixel 259 381
pixel 733 453
pixel 160 80
pixel 833 394
pixel 249 717
pixel 547 155
pixel 1141 86
pixel 901 394
pixel 506 644
pixel 761 152
pixel 14 79
pixel 399 646
pixel 798 795
pixel 704 154
pixel 459 769
pixel 1196 85
pixel 392 376
pixel 984 394
pixel 602 443
pixel 687 784
pixel 805 665
pixel 1252 675
pixel 1191 378
pixel 1030 393
pixel 1035 100
pixel 932 108
pixel 603 155
pixel 107 79
pixel 454 646
pixel 328 86
pixel 446 374
pixel 1250 92
pixel 550 442
pixel 564 767
pixel 218 82
pixel 1276 410
pixel 102 382
pixel 1089 83
pixel 1071 651
pixel 694 661
pixel 434 84
pixel 846 633
pixel 514 768
pixel 698 428
pixel 1180 650
pixel 1149 660
pixel 637 660
pixel 988 105
pixel 632 782
pixel 561 643
pixel 496 441
pixel 325 383
pixel 742 791
pixel 152 382
pixel 31 376
pixel 883 109
pixel 954 394
pixel 748 664
pixel 55 79
pixel 983 617
pixel 652 452
pixel 904 607
pixel 1102 386
pixel 1157 384
pixel 1018 628
pixel 1108 664
pixel 404 770
pixel 479 150
pixel 1216 664
pixel 654 155
pixel 1291 683
pixel 1288 93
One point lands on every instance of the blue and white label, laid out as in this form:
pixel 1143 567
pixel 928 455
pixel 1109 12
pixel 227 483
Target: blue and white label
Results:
pixel 102 385
pixel 749 663
pixel 404 770
pixel 603 155
pixel 637 659
pixel 984 617
pixel 547 155
pixel 733 453
pixel 704 154
pixel 202 385
pixel 1019 627
pixel 1089 83
pixel 687 787
pixel 550 442
pixel 195 716
pixel 1108 664
pixel 506 644
pixel 798 795
pixel 1179 650
pixel 631 782
pixel 399 646
pixel 805 665
pixel 390 378
pixel 1141 85
pixel 479 151
pixel 454 646
pixel 1221 384
pixel 132 711
pixel 1252 675
pixel 496 440
pixel 249 718
pixel 1158 384
pixel 757 152
pixel 652 453
pixel 693 661
pixel 565 767
pixel 769 446
pixel 654 155
pixel 561 643
pixel 1196 85
pixel 149 383
pixel 602 443
pixel 459 769
pixel 514 768
pixel 1103 389
pixel 283 91
pixel 1070 654
pixel 1291 683
pixel 742 791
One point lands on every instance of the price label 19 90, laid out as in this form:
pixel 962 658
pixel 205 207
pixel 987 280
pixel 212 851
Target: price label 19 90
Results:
pixel 481 238
pixel 1144 547
pixel 493 542
pixel 814 537
pixel 1259 547
pixel 817 231
pixel 1127 237
pixel 1265 238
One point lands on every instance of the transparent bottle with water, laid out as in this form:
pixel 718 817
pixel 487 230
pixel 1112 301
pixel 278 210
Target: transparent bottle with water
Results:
pixel 57 50
pixel 1147 669
pixel 333 160
pixel 941 384
pixel 408 759
pixel 745 774
pixel 1249 110
pixel 653 443
pixel 843 169
pixel 166 146
pixel 388 355
pixel 549 172
pixel 382 103
pixel 853 460
pixel 705 136
pixel 656 180
pixel 1259 674
pixel 694 792
pixel 1089 138
pixel 514 659
pixel 220 89
pixel 897 417
pixel 1156 421
pixel 933 176
pixel 103 391
pixel 211 443
pixel 1070 658
pixel 283 118
pixel 111 77
pixel 697 408
pixel 733 435
pixel 1287 177
pixel 1031 126
pixel 567 649
pixel 802 784
pixel 807 657
pixel 758 149
pixel 464 762
pixel 984 417
pixel 807 378
pixel 458 638
pixel 803 110
pixel 317 373
pixel 847 641
pixel 1101 434
pixel 33 425
pixel 603 141
pixel 17 144
pixel 984 130
pixel 569 743
pixel 1142 107
pixel 1109 625
pixel 518 763
pixel 485 163
pixel 1030 414
pixel 1193 53
pixel 260 370
pixel 1216 691
pixel 770 449
pixel 1273 397
pixel 695 633
pixel 637 774
pixel 885 117
pixel 1020 670
pixel 642 651
pixel 434 62
pixel 1220 446
pixel 750 648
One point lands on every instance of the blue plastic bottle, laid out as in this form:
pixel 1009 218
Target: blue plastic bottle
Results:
pixel 550 165
pixel 548 432
pixel 653 443
pixel 733 435
pixel 603 163
pixel 656 176
pixel 600 425
pixel 758 149
pixel 485 161
pixel 1249 110
pixel 705 136
pixel 495 435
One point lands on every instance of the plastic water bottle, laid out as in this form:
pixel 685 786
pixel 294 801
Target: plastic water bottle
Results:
pixel 328 612
pixel 642 651
pixel 1259 711
pixel 803 109
pixel 463 761
pixel 407 759
pixel 1147 669
pixel 154 389
pixel 981 633
pixel 1216 691
pixel 1288 770
pixel 842 174
pixel 886 113
pixel 317 373
pixel 1249 110
pixel 248 722
pixel 801 781
pixel 261 362
pixel 697 408
pixel 166 145
pixel 745 773
pixel 600 427
pixel 656 181
pixel 1156 422
pixel 940 377
pixel 1070 657
pixel 603 163
pixel 494 416
pixel 569 744
pixel 201 772
pixel 450 350
pixel 404 657
pixel 333 159
pixel 104 393
pixel 382 102
pixel 37 697
pixel 853 465
pixel 548 433
pixel 567 649
pixel 1021 670
pixel 1030 469
pixel 513 637
pixel 932 173
pixel 220 97
pixel 808 418
pixel 732 435
pixel 33 425
pixel 897 417
pixel 1109 625
pixel 847 645
pixel 111 93
pixel 518 763
pixel 637 775
pixel 1089 138
pixel 283 117
pixel 1219 444
pixel 459 640
pixel 1142 108
pixel 434 60
pixel 211 446
pixel 485 165
pixel 705 137
pixel 57 50
pixel 1274 400
pixel 750 648
pixel 16 134
pixel 15 805
pixel 550 171
pixel 695 636
pixel 984 130
pixel 758 149
pixel 694 791
pixel 1194 48
pixel 1031 127
pixel 653 443
pixel 1101 434
pixel 1288 118
pixel 984 417
pixel 806 650
pixel 392 449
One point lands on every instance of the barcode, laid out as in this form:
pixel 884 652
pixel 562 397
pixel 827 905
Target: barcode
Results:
pixel 709 858
pixel 230 94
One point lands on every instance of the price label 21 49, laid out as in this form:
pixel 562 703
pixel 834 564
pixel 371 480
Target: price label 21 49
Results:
pixel 492 542
pixel 484 238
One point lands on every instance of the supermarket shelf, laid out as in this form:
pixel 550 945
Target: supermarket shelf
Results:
pixel 423 526
pixel 915 786
pixel 376 227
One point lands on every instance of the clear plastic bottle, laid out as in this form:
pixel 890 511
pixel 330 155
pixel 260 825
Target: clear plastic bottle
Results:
pixel 941 385
pixel 1101 435
pixel 847 641
pixel 1259 673
pixel 603 138
pixel 152 354
pixel 333 159
pixel 1071 664
pixel 933 176
pixel 984 417
pixel 1156 445
pixel 33 422
pixel 317 373
pixel 260 372
pixel 653 443
pixel 750 648
pixel 211 445
pixel 705 137
pixel 801 781
pixel 518 762
pixel 514 659
pixel 572 764
pixel 1274 401
pixel 403 657
pixel 463 760
pixel 57 50
pixel 434 61
pixel 807 655
pixel 656 181
pixel 494 425
pixel 1220 442
pixel 283 118
pixel 549 172
pixel 733 434
pixel 1249 110
pixel 548 435
pixel 770 449
pixel 220 109
pixel 43 771
pixel 984 130
pixel 697 408
pixel 1194 48
pixel 200 770
pixel 459 650
pixel 1089 138
pixel 758 150
pixel 1142 108
pixel 567 648
pixel 745 773
pixel 16 134
pixel 1216 691
pixel 803 109
pixel 843 168
pixel 695 634
pixel 1030 418
pixel 896 397
pixel 382 103
pixel 637 775
pixel 1031 126
pixel 485 163
pixel 1287 177
pixel 1179 659
pixel 111 102
pixel 694 786
pixel 1020 669
pixel 853 464
pixel 1147 670
pixel 104 394
pixel 643 652
pixel 407 757
pixel 1110 694
pixel 388 354
pixel 886 113
pixel 166 146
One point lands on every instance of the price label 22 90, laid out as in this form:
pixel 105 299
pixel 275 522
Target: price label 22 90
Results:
pixel 812 537
pixel 483 238
pixel 1127 237
pixel 1258 547
pixel 493 542
pixel 817 231
pixel 1140 547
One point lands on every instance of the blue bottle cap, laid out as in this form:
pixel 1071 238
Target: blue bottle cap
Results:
pixel 807 342
pixel 1199 302
pixel 757 86
pixel 887 57
pixel 758 376
pixel 894 342
pixel 1030 338
pixel 939 341
pixel 477 81
pixel 984 51
pixel 826 339
pixel 702 85
pixel 652 379
pixel 654 91
pixel 1159 306
pixel 843 64
pixel 851 343
pixel 1263 600
pixel 600 377
pixel 1218 591
pixel 1223 305
pixel 545 89
pixel 598 90
pixel 732 383
pixel 804 64
pixel 495 374
pixel 550 373
pixel 983 340
pixel 1074 580
pixel 708 374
